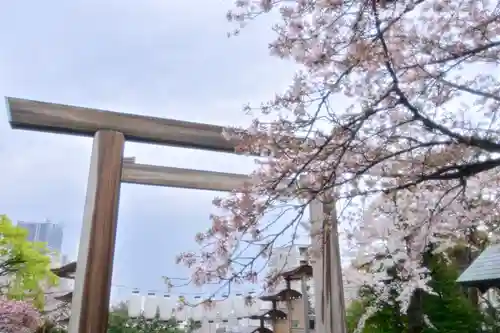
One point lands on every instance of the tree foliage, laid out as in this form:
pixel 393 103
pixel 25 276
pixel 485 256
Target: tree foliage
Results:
pixel 192 325
pixel 398 232
pixel 25 263
pixel 394 102
pixel 447 310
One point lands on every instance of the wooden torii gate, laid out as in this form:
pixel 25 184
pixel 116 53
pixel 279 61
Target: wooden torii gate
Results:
pixel 108 169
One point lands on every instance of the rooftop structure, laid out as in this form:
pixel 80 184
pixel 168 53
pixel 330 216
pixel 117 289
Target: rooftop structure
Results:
pixel 484 272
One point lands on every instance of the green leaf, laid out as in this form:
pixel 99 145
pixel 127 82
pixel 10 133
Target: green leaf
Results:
pixel 28 264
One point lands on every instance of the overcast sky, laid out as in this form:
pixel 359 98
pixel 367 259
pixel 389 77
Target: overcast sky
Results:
pixel 156 57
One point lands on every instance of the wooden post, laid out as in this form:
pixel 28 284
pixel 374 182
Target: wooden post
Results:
pixel 289 308
pixel 90 306
pixel 333 285
pixel 327 271
pixel 316 216
pixel 289 314
pixel 305 299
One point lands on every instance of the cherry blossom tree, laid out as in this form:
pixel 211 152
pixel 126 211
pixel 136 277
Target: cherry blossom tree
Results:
pixel 18 317
pixel 393 100
pixel 401 232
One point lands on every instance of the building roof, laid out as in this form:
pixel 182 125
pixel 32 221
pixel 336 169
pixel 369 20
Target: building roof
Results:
pixel 65 271
pixel 67 297
pixel 283 295
pixel 298 272
pixel 484 272
pixel 268 314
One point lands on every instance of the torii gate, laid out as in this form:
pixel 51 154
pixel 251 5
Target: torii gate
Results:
pixel 108 169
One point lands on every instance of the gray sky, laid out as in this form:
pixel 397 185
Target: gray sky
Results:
pixel 163 58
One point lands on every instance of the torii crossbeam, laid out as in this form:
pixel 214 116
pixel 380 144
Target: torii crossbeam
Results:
pixel 108 169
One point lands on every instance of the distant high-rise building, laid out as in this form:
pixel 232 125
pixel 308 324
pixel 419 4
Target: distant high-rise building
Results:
pixel 46 232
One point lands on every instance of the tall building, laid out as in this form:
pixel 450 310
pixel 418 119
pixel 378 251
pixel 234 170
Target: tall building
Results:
pixel 47 232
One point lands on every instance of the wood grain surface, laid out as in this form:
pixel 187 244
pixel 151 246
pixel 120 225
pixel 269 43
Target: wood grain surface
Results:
pixel 182 178
pixel 58 118
pixel 90 306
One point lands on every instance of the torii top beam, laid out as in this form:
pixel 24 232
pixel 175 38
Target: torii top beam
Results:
pixel 65 119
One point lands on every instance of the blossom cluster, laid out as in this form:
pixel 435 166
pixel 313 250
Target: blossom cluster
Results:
pixel 18 317
pixel 396 105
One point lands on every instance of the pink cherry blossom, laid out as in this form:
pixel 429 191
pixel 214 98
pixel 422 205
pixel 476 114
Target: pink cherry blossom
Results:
pixel 18 317
pixel 394 111
pixel 398 229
